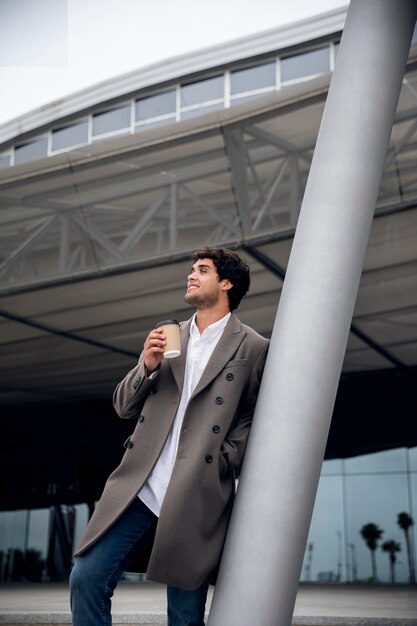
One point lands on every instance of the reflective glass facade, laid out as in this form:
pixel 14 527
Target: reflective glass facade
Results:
pixel 352 493
pixel 372 488
pixel 305 64
pixel 202 91
pixel 30 151
pixel 4 161
pixel 70 136
pixel 111 121
pixel 249 79
pixel 180 101
pixel 160 106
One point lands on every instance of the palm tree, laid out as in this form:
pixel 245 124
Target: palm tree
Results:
pixel 405 521
pixel 391 547
pixel 309 561
pixel 371 533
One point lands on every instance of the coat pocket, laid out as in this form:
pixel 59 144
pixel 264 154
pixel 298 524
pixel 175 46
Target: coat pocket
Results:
pixel 223 465
pixel 236 362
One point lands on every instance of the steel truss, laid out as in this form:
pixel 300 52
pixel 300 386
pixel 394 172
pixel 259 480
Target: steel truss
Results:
pixel 231 183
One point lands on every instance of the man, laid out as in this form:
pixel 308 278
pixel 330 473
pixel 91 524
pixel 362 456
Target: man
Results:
pixel 170 500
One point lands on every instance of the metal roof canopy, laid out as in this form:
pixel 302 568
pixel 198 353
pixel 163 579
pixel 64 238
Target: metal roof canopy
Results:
pixel 96 245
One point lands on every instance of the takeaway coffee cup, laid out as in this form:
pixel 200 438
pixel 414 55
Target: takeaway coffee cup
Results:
pixel 171 330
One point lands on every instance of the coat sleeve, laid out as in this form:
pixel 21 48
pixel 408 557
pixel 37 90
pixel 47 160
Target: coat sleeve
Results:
pixel 131 393
pixel 234 444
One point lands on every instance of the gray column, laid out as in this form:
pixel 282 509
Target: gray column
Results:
pixel 264 550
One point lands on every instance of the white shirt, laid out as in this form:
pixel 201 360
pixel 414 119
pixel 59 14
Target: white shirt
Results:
pixel 200 349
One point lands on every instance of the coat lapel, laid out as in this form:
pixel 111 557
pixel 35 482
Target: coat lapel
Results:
pixel 227 345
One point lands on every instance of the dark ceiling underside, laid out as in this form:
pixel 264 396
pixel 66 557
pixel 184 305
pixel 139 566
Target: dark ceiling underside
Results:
pixel 63 452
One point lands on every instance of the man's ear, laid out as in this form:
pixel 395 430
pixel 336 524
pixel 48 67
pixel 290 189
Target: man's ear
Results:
pixel 226 284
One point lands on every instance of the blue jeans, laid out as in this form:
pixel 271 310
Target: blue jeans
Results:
pixel 96 573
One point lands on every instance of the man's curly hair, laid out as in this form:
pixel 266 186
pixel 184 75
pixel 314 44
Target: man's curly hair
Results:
pixel 229 266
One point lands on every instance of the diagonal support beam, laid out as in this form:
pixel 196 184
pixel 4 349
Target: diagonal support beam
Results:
pixel 27 246
pixel 135 234
pixel 283 144
pixel 92 231
pixel 401 144
pixel 216 215
pixel 234 142
pixel 52 330
pixel 278 178
pixel 279 271
pixel 295 189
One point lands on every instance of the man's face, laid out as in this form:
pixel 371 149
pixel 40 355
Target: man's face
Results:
pixel 204 289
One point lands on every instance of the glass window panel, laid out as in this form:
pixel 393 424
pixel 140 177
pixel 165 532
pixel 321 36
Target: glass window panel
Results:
pixel 413 483
pixel 110 121
pixel 388 461
pixel 377 499
pixel 326 534
pixel 185 115
pixel 202 91
pixel 162 122
pixel 412 452
pixel 4 161
pixel 307 64
pixel 81 520
pixel 253 78
pixel 39 530
pixel 12 530
pixel 69 136
pixel 31 151
pixel 154 106
pixel 333 466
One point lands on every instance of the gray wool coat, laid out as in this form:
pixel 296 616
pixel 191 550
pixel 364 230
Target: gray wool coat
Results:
pixel 196 510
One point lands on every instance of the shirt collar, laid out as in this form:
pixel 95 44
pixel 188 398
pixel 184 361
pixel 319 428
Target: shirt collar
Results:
pixel 211 331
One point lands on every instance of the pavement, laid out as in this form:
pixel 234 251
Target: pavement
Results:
pixel 144 604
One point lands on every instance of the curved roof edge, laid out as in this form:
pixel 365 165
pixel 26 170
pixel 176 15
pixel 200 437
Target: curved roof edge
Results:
pixel 258 44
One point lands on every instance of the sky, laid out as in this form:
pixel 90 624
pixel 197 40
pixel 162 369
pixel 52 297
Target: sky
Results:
pixel 52 48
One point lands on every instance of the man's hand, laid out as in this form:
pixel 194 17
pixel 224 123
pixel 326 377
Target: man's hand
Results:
pixel 154 349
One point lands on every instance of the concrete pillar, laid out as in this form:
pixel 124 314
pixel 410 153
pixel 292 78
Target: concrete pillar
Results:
pixel 264 550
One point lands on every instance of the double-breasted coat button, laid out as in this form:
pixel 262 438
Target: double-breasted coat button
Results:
pixel 209 458
pixel 229 376
pixel 216 429
pixel 129 444
pixel 219 400
pixel 152 392
pixel 141 418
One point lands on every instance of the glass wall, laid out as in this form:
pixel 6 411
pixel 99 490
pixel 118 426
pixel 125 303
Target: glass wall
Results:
pixel 156 109
pixel 300 66
pixel 31 151
pixel 26 550
pixel 352 493
pixel 69 136
pixel 370 489
pixel 181 101
pixel 112 121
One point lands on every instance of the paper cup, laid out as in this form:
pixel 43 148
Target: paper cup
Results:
pixel 171 330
